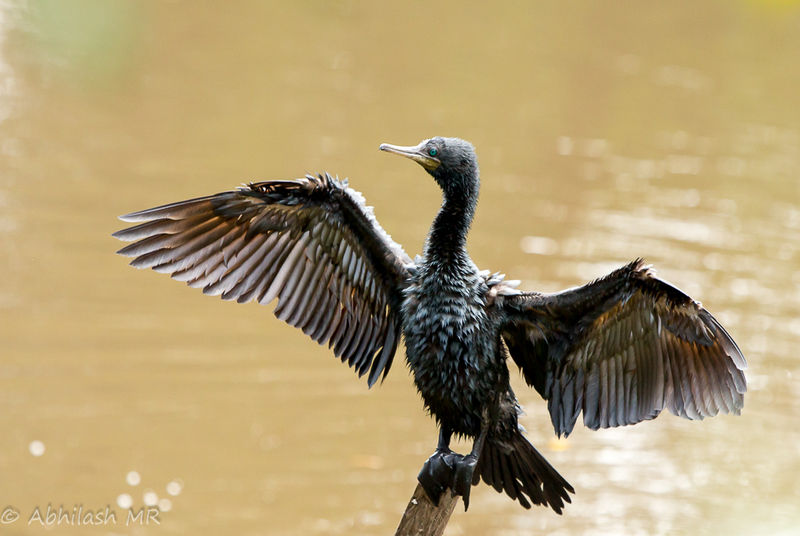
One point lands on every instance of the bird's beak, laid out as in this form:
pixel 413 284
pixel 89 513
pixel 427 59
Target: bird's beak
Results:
pixel 416 153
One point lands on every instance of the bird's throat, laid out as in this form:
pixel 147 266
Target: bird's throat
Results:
pixel 447 241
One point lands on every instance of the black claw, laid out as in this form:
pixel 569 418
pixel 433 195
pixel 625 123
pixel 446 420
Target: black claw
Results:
pixel 462 479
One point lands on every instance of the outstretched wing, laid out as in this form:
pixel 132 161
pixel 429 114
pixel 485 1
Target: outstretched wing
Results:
pixel 311 242
pixel 621 349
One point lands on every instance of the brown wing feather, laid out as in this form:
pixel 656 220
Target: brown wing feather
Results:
pixel 311 243
pixel 621 349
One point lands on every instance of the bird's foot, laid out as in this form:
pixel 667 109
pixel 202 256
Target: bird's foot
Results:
pixel 462 477
pixel 447 470
pixel 437 473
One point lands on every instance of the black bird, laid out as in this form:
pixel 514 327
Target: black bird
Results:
pixel 619 349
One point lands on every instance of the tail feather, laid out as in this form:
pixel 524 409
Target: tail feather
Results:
pixel 516 467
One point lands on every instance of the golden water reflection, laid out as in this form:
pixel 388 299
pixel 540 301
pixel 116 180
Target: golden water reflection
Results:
pixel 668 131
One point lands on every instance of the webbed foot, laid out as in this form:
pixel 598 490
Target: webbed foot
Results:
pixel 437 474
pixel 447 470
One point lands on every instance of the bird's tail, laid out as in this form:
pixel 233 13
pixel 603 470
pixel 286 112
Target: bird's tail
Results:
pixel 516 467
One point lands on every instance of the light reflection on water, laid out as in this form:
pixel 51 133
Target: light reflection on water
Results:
pixel 594 149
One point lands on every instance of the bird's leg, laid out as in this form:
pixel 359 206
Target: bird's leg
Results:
pixel 437 473
pixel 465 465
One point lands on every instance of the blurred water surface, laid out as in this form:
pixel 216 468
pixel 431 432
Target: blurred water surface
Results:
pixel 605 131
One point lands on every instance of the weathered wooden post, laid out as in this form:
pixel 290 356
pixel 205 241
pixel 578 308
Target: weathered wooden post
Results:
pixel 423 518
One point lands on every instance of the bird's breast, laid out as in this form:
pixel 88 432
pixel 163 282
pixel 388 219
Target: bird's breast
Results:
pixel 439 313
pixel 450 347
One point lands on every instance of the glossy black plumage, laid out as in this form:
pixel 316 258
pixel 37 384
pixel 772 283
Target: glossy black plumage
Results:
pixel 618 350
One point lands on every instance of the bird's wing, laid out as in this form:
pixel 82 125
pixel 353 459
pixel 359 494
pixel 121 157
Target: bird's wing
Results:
pixel 310 242
pixel 621 349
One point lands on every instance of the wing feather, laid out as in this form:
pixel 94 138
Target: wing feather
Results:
pixel 621 349
pixel 310 243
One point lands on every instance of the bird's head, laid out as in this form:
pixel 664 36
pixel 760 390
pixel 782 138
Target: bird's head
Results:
pixel 451 161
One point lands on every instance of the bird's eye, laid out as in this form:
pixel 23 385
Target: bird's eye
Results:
pixel 432 151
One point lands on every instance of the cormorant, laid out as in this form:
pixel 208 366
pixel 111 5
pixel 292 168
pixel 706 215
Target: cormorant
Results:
pixel 619 349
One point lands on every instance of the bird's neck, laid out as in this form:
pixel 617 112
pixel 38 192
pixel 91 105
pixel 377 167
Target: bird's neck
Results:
pixel 447 241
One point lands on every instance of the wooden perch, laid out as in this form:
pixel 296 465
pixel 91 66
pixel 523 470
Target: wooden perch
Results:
pixel 423 518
